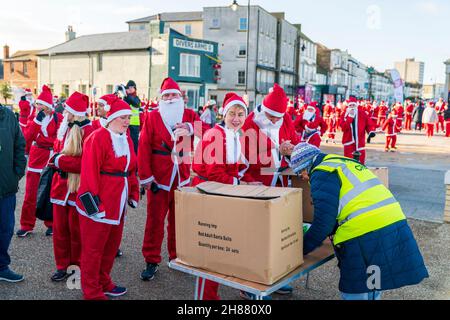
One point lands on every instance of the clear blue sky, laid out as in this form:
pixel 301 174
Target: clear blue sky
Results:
pixel 376 32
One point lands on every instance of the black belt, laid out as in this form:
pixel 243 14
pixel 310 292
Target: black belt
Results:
pixel 42 147
pixel 202 178
pixel 115 174
pixel 165 153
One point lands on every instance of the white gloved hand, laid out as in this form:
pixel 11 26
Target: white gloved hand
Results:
pixel 181 132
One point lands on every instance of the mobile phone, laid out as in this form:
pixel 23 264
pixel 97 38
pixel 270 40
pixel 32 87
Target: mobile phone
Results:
pixel 90 206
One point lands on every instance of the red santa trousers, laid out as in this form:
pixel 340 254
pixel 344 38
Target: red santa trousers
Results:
pixel 28 216
pixel 348 152
pixel 331 129
pixel 408 121
pixel 66 236
pixel 315 140
pixel 159 205
pixel 390 141
pixel 99 245
pixel 430 129
pixel 380 122
pixel 440 123
pixel 447 128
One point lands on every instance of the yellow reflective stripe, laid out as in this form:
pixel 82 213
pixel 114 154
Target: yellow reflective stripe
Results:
pixel 368 209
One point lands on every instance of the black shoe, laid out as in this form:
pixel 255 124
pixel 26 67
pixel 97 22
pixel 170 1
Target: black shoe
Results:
pixel 60 275
pixel 119 253
pixel 149 273
pixel 49 232
pixel 23 233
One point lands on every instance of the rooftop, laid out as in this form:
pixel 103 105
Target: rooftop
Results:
pixel 172 17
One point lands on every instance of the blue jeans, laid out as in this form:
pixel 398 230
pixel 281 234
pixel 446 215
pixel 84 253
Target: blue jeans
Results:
pixel 376 295
pixel 7 220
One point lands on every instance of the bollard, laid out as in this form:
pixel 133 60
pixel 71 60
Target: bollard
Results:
pixel 447 198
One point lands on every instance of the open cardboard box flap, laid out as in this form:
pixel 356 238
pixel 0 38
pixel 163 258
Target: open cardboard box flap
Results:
pixel 246 191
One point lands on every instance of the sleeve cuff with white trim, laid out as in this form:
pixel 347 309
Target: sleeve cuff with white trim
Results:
pixel 147 181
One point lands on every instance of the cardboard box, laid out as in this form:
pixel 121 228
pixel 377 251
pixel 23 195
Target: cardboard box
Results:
pixel 248 232
pixel 307 202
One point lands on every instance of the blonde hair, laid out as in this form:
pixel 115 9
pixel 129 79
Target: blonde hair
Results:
pixel 74 147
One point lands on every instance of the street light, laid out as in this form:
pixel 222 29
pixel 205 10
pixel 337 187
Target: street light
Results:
pixel 234 6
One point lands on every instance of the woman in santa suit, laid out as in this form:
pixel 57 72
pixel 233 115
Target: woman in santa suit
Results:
pixel 225 163
pixel 311 126
pixel 74 129
pixel 40 135
pixel 100 111
pixel 108 179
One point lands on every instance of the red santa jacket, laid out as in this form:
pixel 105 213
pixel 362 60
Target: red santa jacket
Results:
pixel 307 129
pixel 382 110
pixel 262 152
pixel 40 137
pixel 409 109
pixel 327 111
pixel 113 191
pixel 159 159
pixel 26 110
pixel 60 194
pixel 389 127
pixel 354 129
pixel 399 112
pixel 210 165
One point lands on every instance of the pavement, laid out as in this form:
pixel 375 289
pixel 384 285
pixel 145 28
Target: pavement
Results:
pixel 416 179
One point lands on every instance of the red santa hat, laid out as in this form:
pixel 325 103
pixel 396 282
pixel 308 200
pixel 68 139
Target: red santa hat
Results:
pixel 352 102
pixel 28 92
pixel 77 104
pixel 232 99
pixel 275 102
pixel 106 101
pixel 118 108
pixel 45 97
pixel 169 86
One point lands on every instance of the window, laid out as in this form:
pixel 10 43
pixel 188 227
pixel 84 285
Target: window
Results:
pixel 242 49
pixel 241 77
pixel 243 26
pixel 215 23
pixel 188 30
pixel 189 65
pixel 25 69
pixel 12 67
pixel 109 89
pixel 65 90
pixel 82 88
pixel 100 62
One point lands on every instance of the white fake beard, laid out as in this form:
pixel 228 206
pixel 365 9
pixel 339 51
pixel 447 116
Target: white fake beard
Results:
pixel 63 128
pixel 233 146
pixel 45 123
pixel 172 111
pixel 103 122
pixel 268 128
pixel 309 115
pixel 120 144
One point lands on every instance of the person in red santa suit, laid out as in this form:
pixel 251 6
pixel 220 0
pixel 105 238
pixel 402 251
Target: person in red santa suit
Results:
pixel 382 111
pixel 399 111
pixel 26 108
pixel 440 108
pixel 227 166
pixel 163 167
pixel 270 137
pixel 73 131
pixel 355 123
pixel 291 110
pixel 311 126
pixel 109 181
pixel 389 128
pixel 408 114
pixel 374 114
pixel 40 135
pixel 104 101
pixel 447 119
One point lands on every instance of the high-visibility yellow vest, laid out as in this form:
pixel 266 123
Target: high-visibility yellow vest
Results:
pixel 365 204
pixel 135 121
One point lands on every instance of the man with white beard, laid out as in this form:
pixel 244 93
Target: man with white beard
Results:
pixel 164 165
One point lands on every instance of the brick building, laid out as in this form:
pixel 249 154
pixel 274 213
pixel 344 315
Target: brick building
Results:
pixel 20 69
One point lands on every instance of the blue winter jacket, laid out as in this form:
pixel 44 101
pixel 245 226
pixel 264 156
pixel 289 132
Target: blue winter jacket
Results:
pixel 393 248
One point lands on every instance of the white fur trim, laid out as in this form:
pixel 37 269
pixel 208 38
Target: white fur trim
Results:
pixel 37 122
pixel 118 114
pixel 72 111
pixel 44 103
pixel 170 91
pixel 146 181
pixel 191 128
pixel 34 170
pixel 232 103
pixel 57 160
pixel 271 112
pixel 235 181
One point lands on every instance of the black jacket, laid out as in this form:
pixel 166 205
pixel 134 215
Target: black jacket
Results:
pixel 447 114
pixel 12 153
pixel 417 113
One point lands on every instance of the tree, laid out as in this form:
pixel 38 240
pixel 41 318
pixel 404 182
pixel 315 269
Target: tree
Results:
pixel 5 91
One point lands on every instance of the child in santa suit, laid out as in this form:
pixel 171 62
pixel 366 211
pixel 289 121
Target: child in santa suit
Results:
pixel 26 108
pixel 108 174
pixel 40 135
pixel 390 130
pixel 74 129
pixel 164 165
pixel 228 165
pixel 311 126
pixel 355 123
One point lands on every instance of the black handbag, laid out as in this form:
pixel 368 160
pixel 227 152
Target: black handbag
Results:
pixel 44 208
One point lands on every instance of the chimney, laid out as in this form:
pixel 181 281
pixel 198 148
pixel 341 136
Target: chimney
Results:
pixel 70 34
pixel 6 52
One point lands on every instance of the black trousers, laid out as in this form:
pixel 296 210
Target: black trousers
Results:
pixel 418 126
pixel 134 133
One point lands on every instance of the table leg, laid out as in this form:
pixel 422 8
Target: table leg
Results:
pixel 202 290
pixel 307 280
pixel 197 279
